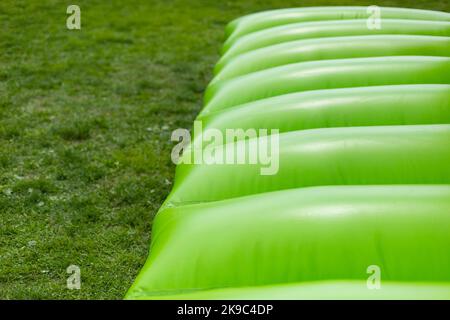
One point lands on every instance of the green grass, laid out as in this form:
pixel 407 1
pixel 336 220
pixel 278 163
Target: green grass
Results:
pixel 85 124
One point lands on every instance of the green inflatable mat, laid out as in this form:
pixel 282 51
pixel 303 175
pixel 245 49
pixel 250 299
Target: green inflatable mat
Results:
pixel 263 20
pixel 326 29
pixel 333 48
pixel 357 179
pixel 357 106
pixel 301 235
pixel 326 74
pixel 327 156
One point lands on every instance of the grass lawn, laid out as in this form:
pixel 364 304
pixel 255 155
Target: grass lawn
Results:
pixel 85 124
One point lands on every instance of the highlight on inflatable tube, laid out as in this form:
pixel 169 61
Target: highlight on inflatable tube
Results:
pixel 358 206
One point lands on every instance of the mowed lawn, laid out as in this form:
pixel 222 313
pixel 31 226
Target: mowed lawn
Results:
pixel 85 124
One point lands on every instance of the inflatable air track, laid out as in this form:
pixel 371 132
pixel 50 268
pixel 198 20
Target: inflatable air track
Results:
pixel 363 180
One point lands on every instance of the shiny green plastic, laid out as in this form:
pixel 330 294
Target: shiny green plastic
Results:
pixel 362 161
pixel 325 29
pixel 332 48
pixel 324 290
pixel 267 19
pixel 326 74
pixel 327 156
pixel 301 235
pixel 358 106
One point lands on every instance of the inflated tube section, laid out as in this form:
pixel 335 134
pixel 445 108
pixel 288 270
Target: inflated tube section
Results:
pixel 353 201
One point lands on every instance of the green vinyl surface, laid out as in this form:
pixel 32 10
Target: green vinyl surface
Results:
pixel 333 48
pixel 326 74
pixel 267 19
pixel 357 106
pixel 403 154
pixel 323 290
pixel 327 29
pixel 358 170
pixel 301 235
